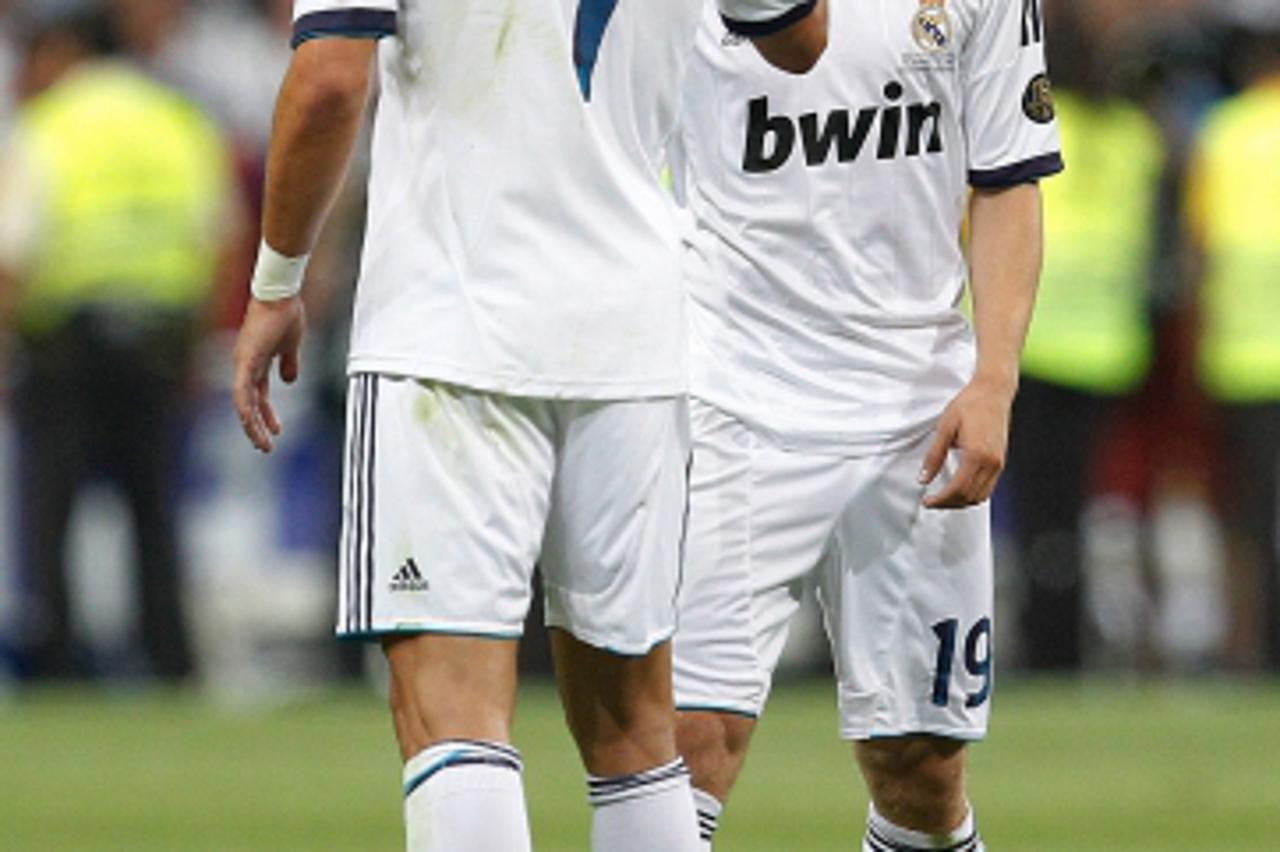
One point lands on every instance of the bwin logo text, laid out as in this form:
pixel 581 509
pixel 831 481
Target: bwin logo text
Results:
pixel 771 139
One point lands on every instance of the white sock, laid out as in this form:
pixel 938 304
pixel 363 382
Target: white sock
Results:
pixel 884 836
pixel 465 796
pixel 644 812
pixel 708 808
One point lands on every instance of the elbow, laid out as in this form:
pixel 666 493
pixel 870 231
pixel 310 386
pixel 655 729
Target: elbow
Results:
pixel 332 92
pixel 323 85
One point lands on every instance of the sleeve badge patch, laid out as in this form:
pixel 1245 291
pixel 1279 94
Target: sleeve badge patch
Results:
pixel 1037 100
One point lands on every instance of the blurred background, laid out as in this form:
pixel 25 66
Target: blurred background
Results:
pixel 143 544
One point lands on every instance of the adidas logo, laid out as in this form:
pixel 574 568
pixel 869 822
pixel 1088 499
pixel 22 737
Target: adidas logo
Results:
pixel 409 578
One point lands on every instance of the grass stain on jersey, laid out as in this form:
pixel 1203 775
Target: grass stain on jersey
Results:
pixel 474 84
pixel 426 407
pixel 504 34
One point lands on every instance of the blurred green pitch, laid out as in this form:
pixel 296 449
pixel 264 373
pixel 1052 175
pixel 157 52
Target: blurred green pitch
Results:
pixel 1094 766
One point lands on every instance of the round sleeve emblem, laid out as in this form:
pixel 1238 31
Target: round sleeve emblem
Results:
pixel 1037 100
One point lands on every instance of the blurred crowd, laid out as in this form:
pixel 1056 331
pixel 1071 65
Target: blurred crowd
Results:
pixel 141 538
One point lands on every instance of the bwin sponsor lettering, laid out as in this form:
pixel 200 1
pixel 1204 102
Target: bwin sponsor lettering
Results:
pixel 771 139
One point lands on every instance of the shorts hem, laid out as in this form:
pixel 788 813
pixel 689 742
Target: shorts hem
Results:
pixel 832 445
pixel 637 650
pixel 712 707
pixel 377 633
pixel 968 735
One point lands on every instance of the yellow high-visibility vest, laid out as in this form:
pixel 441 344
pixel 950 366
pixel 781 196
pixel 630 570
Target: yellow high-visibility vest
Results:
pixel 1090 329
pixel 1234 206
pixel 133 185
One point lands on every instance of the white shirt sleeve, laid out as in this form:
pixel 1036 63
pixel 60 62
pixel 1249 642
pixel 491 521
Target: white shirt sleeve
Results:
pixel 1009 120
pixel 343 18
pixel 754 18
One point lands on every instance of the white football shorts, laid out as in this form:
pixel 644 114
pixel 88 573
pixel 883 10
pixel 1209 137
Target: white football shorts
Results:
pixel 452 495
pixel 906 592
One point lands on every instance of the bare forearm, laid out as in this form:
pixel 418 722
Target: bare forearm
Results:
pixel 318 116
pixel 1006 250
pixel 1005 253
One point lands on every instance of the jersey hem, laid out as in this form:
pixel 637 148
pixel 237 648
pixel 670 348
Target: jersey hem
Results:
pixel 522 386
pixel 788 441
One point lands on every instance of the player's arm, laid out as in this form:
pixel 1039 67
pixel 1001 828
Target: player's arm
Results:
pixel 790 34
pixel 318 116
pixel 1012 142
pixel 1006 249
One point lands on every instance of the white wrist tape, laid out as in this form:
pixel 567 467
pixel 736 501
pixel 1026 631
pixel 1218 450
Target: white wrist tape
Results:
pixel 277 277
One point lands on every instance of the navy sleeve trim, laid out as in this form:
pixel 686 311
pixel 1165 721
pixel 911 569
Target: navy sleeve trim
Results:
pixel 1028 171
pixel 756 29
pixel 348 23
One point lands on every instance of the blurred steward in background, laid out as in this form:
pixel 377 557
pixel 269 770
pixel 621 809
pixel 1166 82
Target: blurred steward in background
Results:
pixel 114 211
pixel 228 55
pixel 1234 218
pixel 1090 341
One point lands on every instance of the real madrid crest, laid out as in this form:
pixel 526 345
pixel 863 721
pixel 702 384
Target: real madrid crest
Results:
pixel 931 26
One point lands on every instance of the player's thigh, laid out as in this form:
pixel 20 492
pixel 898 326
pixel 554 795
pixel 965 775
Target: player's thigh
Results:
pixel 907 594
pixel 610 559
pixel 445 497
pixel 759 521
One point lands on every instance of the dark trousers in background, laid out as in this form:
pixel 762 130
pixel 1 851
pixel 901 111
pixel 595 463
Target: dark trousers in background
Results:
pixel 1251 512
pixel 1052 442
pixel 102 395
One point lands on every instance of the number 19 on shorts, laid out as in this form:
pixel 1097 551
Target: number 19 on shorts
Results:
pixel 977 659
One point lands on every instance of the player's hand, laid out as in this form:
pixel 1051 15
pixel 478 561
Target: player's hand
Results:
pixel 977 424
pixel 270 330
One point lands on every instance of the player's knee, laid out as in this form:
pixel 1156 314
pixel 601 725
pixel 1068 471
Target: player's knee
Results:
pixel 916 781
pixel 431 698
pixel 701 740
pixel 634 721
pixel 714 745
pixel 712 736
pixel 618 708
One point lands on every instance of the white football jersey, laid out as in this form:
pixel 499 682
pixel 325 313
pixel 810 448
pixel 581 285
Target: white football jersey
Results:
pixel 825 267
pixel 519 240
